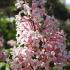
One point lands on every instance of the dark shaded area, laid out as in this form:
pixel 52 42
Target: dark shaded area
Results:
pixel 3 68
pixel 6 3
pixel 67 67
pixel 54 7
pixel 51 64
pixel 7 7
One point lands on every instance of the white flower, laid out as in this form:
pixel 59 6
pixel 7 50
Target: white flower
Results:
pixel 11 43
pixel 52 53
pixel 27 9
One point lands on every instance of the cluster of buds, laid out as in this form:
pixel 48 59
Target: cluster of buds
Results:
pixel 38 37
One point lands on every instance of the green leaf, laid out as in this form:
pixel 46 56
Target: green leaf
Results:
pixel 2 66
pixel 7 67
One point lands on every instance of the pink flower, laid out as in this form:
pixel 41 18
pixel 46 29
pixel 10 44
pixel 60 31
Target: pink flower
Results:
pixel 1 42
pixel 2 56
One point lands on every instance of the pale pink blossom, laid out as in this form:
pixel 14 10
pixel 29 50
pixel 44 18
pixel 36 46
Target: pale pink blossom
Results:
pixel 11 43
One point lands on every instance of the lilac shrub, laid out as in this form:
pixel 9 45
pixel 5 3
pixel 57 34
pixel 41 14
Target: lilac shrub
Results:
pixel 39 39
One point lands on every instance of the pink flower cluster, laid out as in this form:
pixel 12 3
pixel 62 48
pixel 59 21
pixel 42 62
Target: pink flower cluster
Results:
pixel 38 37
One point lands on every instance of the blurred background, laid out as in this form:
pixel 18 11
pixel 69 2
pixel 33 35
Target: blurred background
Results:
pixel 60 9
